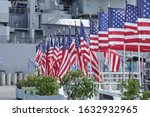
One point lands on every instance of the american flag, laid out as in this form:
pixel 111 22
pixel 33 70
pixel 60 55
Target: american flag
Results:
pixel 95 67
pixel 144 24
pixel 38 52
pixel 65 65
pixel 47 66
pixel 103 30
pixel 78 49
pixel 55 63
pixel 89 56
pixel 93 37
pixel 84 41
pixel 59 51
pixel 116 28
pixel 50 57
pixel 131 32
pixel 72 50
pixel 115 60
pixel 43 60
pixel 85 50
pixel 60 45
pixel 94 47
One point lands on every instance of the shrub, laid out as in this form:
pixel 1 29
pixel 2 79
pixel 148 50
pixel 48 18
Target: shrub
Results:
pixel 145 95
pixel 130 89
pixel 78 86
pixel 31 81
pixel 20 84
pixel 47 86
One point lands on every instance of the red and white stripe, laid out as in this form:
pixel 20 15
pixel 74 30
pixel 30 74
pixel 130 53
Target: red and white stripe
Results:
pixel 72 52
pixel 116 38
pixel 113 61
pixel 103 40
pixel 85 53
pixel 55 63
pixel 79 59
pixel 60 54
pixel 85 50
pixel 131 36
pixel 58 60
pixel 95 67
pixel 144 33
pixel 64 67
pixel 38 56
pixel 68 59
pixel 94 43
pixel 50 61
pixel 42 63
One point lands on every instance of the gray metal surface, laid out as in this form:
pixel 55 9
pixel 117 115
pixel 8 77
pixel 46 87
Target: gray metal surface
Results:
pixel 7 92
pixel 15 57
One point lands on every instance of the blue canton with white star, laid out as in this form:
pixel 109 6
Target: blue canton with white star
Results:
pixel 103 22
pixel 144 7
pixel 93 28
pixel 131 13
pixel 116 18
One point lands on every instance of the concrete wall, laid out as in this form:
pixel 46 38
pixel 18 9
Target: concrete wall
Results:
pixel 15 57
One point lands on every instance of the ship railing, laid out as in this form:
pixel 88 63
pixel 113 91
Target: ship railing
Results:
pixel 112 80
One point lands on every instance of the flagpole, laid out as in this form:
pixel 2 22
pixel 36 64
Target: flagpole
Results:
pixel 89 47
pixel 124 62
pixel 109 58
pixel 99 66
pixel 132 64
pixel 99 10
pixel 139 65
pixel 142 67
pixel 109 68
pixel 76 62
pixel 82 60
pixel 99 58
pixel 124 48
pixel 69 45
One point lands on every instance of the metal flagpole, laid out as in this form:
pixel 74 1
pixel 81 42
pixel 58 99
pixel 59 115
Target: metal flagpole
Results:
pixel 139 65
pixel 99 53
pixel 132 63
pixel 124 49
pixel 109 68
pixel 76 62
pixel 89 49
pixel 142 67
pixel 109 61
pixel 91 70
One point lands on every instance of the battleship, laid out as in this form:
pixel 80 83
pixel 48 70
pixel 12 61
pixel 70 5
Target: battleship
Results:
pixel 24 23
